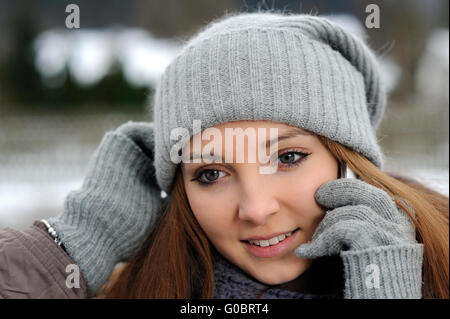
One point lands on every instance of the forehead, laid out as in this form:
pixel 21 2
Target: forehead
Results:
pixel 260 130
pixel 268 131
pixel 259 138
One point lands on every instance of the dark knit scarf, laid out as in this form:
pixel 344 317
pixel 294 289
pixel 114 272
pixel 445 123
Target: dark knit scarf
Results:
pixel 323 280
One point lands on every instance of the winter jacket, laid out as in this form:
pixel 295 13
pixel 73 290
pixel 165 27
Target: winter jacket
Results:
pixel 32 265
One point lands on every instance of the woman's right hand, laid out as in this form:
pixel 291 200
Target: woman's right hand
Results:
pixel 108 218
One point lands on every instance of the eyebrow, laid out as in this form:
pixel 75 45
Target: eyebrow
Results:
pixel 292 132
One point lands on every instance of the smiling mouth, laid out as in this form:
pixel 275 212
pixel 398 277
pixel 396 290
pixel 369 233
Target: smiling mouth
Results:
pixel 271 241
pixel 272 247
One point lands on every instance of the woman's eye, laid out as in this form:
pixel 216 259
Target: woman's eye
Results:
pixel 210 176
pixel 288 158
pixel 292 158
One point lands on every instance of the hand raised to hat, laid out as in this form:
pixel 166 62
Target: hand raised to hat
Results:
pixel 107 219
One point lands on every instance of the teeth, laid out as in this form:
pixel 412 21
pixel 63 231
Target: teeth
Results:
pixel 271 241
pixel 264 243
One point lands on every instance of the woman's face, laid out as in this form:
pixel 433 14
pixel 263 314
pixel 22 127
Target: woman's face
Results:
pixel 235 202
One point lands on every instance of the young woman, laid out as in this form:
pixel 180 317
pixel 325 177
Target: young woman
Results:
pixel 226 230
pixel 269 70
pixel 200 247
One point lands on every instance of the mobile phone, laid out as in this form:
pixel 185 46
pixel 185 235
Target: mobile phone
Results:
pixel 346 172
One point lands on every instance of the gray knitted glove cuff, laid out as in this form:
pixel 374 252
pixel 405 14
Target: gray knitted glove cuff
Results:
pixel 107 220
pixel 384 272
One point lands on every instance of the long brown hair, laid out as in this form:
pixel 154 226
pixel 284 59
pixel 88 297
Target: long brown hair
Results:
pixel 176 261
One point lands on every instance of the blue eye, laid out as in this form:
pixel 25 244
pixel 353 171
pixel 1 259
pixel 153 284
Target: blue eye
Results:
pixel 288 159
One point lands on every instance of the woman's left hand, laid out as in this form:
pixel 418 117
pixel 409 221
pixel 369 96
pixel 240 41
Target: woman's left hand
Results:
pixel 367 229
pixel 362 216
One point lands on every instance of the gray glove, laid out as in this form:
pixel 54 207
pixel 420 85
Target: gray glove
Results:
pixel 366 228
pixel 108 219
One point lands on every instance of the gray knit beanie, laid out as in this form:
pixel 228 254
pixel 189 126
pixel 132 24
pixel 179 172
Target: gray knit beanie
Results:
pixel 297 69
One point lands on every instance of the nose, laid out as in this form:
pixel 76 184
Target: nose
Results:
pixel 258 202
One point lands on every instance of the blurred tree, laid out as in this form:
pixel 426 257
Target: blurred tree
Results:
pixel 20 76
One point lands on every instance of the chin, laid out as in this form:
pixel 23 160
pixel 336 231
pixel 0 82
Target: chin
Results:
pixel 275 280
pixel 280 276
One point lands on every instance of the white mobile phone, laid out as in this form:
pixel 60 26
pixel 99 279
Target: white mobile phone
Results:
pixel 346 172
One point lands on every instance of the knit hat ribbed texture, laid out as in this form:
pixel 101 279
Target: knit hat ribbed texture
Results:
pixel 297 69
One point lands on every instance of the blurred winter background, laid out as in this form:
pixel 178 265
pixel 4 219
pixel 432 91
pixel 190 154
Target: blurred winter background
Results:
pixel 62 89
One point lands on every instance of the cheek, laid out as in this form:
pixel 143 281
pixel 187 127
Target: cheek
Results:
pixel 213 214
pixel 303 202
pixel 305 209
pixel 301 189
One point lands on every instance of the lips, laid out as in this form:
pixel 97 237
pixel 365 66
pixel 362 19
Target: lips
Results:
pixel 272 250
